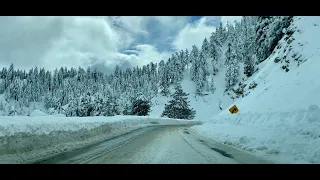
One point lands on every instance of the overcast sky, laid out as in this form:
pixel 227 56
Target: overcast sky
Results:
pixel 101 42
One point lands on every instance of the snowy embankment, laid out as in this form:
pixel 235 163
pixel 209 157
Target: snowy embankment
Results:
pixel 286 137
pixel 279 118
pixel 31 139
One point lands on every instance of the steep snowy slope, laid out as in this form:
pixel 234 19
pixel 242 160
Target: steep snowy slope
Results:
pixel 280 117
pixel 278 90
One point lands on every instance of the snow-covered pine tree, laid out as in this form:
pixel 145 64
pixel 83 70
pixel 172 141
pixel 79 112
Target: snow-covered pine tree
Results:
pixel 248 34
pixel 86 105
pixel 3 77
pixel 153 79
pixel 221 35
pixel 173 69
pixel 187 59
pixel 73 108
pixel 238 41
pixel 205 48
pixel 194 55
pixel 183 59
pixel 269 31
pixel 99 103
pixel 178 107
pixel 212 85
pixel 1 106
pixel 179 67
pixel 169 68
pixel 214 53
pixel 11 74
pixel 261 39
pixel 14 90
pixel 232 73
pixel 127 109
pixel 163 79
pixel 41 81
pixel 115 106
pixel 276 30
pixel 140 107
pixel 248 66
pixel 109 109
pixel 201 78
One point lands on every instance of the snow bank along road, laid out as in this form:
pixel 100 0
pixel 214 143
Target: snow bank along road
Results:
pixel 26 140
pixel 163 144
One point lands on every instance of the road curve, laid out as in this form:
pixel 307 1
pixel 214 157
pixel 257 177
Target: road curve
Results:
pixel 157 145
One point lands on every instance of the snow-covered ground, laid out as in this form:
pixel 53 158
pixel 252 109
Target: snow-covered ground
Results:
pixel 280 117
pixel 30 139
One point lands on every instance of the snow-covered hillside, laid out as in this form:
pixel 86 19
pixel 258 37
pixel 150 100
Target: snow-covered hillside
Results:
pixel 281 91
pixel 206 106
pixel 281 115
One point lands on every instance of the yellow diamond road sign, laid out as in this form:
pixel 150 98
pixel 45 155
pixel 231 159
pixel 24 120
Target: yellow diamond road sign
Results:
pixel 234 109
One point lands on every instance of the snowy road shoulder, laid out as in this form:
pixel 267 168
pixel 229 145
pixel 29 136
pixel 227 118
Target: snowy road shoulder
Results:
pixel 220 153
pixel 286 137
pixel 31 139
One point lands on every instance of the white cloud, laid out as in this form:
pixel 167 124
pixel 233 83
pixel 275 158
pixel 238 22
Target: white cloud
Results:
pixel 144 54
pixel 230 19
pixel 172 22
pixel 52 42
pixel 133 24
pixel 151 27
pixel 193 34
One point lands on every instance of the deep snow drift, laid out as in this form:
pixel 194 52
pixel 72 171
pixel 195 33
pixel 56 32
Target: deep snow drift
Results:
pixel 31 139
pixel 280 117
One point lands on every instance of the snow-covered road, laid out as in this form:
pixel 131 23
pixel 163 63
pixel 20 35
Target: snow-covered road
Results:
pixel 157 145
